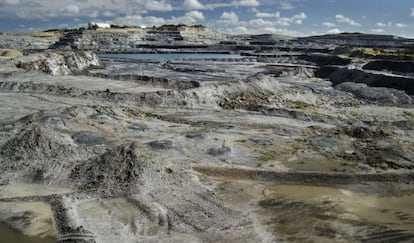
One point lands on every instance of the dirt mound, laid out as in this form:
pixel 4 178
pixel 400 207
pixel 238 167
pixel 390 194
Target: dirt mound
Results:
pixel 118 169
pixel 38 144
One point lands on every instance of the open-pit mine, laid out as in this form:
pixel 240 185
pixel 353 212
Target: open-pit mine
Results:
pixel 266 139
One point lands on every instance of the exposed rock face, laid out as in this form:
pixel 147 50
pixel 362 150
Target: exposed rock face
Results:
pixel 323 60
pixel 379 95
pixel 341 75
pixel 393 66
pixel 28 41
pixel 130 39
pixel 58 63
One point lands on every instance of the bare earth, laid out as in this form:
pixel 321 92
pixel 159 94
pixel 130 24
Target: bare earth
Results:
pixel 216 152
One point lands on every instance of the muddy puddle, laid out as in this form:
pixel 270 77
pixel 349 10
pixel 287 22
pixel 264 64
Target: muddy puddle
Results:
pixel 326 213
pixel 9 235
pixel 301 213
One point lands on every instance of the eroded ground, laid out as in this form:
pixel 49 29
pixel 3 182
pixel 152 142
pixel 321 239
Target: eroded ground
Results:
pixel 277 156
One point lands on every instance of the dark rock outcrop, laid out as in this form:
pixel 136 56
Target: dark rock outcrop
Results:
pixel 393 66
pixel 342 75
pixel 323 60
pixel 378 95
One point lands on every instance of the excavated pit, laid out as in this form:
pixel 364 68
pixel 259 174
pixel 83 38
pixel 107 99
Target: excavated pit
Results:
pixel 258 153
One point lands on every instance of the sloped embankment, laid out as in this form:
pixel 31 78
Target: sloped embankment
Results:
pixel 372 87
pixel 393 66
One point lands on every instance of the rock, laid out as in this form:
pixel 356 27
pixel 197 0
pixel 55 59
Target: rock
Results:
pixel 28 41
pixel 139 127
pixel 88 138
pixel 195 135
pixel 57 122
pixel 404 125
pixel 342 75
pixel 395 157
pixel 261 140
pixel 365 132
pixel 393 66
pixel 118 39
pixel 58 62
pixel 323 60
pixel 223 150
pixel 384 96
pixel 161 144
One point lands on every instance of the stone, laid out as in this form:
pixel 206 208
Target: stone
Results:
pixel 88 138
pixel 161 144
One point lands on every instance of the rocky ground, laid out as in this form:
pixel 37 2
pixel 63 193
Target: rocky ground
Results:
pixel 211 151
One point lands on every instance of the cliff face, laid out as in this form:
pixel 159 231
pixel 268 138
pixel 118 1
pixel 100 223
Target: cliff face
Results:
pixel 58 63
pixel 130 39
pixel 38 41
pixel 113 39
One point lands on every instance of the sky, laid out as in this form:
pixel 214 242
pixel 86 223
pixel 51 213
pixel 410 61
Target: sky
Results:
pixel 286 17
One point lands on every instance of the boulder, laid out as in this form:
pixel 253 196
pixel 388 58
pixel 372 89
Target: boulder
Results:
pixel 58 62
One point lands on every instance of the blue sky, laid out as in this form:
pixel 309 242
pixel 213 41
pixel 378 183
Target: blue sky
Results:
pixel 289 17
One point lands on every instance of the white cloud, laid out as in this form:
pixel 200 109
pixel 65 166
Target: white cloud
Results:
pixel 157 6
pixel 11 2
pixel 268 15
pixel 70 10
pixel 297 19
pixel 251 3
pixel 286 5
pixel 240 30
pixel 192 5
pixel 229 16
pixel 377 30
pixel 412 12
pixel 400 25
pixel 283 22
pixel 342 19
pixel 192 17
pixel 230 22
pixel 334 31
pixel 137 20
pixel 329 24
pixel 380 24
pixel 47 9
pixel 260 23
